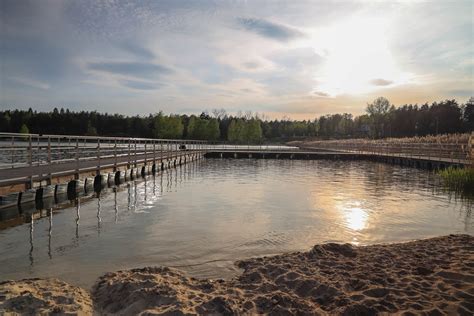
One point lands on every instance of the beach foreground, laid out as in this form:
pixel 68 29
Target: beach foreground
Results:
pixel 432 276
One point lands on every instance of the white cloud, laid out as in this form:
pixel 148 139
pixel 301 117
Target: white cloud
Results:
pixel 305 57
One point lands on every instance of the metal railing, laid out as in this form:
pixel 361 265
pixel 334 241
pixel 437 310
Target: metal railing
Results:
pixel 23 151
pixel 441 152
pixel 225 146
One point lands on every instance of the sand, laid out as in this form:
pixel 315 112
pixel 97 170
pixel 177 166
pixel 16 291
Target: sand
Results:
pixel 43 297
pixel 431 277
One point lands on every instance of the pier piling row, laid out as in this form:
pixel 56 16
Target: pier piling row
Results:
pixel 33 165
pixel 84 186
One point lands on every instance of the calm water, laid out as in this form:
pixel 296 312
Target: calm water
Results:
pixel 203 216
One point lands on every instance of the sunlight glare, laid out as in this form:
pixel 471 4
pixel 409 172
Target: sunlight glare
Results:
pixel 356 218
pixel 356 52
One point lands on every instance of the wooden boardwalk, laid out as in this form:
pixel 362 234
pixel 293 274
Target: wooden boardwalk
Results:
pixel 39 173
pixel 423 161
pixel 35 160
pixel 31 160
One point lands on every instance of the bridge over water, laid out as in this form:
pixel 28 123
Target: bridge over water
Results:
pixel 33 166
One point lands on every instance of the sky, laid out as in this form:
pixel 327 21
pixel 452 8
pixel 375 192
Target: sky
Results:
pixel 282 58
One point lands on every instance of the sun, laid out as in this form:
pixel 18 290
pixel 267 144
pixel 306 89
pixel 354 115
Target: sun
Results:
pixel 357 57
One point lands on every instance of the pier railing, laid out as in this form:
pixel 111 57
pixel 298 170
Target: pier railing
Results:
pixel 22 150
pixel 441 152
pixel 225 146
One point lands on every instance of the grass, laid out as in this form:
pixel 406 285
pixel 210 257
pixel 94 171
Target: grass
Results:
pixel 459 179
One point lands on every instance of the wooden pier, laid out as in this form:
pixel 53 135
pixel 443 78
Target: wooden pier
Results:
pixel 33 166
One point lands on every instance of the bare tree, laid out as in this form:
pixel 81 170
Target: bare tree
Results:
pixel 219 113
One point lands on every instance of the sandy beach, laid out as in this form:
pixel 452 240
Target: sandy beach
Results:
pixel 432 277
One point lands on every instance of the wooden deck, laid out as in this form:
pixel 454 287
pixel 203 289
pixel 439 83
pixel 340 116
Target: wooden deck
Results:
pixel 318 153
pixel 39 173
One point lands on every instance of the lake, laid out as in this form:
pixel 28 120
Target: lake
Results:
pixel 203 216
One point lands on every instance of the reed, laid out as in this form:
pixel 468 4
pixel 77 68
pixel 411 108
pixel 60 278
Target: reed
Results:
pixel 459 179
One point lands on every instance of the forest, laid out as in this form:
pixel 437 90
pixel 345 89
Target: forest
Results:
pixel 381 120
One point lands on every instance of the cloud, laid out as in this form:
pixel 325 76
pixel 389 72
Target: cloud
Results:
pixel 380 82
pixel 182 55
pixel 321 94
pixel 136 69
pixel 140 85
pixel 269 29
pixel 137 50
pixel 461 93
pixel 251 65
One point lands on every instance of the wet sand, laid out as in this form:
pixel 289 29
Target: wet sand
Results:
pixel 432 276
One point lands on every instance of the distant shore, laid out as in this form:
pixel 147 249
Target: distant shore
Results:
pixel 432 276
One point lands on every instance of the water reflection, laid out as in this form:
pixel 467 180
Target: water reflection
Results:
pixel 129 196
pixel 355 217
pixel 32 228
pixel 78 217
pixel 145 187
pixel 203 216
pixel 135 196
pixel 50 232
pixel 99 219
pixel 115 205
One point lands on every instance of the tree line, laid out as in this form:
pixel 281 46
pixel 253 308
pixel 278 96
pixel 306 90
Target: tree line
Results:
pixel 381 119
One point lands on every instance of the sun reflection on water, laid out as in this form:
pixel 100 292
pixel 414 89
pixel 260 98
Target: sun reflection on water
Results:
pixel 356 218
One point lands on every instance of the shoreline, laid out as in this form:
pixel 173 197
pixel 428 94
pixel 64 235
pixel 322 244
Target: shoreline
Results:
pixel 432 276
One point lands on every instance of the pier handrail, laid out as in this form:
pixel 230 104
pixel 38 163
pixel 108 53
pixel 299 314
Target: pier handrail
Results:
pixel 452 152
pixel 42 150
pixel 22 135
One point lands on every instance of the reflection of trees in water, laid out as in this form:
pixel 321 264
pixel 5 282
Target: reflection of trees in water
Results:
pixel 383 178
pixel 465 204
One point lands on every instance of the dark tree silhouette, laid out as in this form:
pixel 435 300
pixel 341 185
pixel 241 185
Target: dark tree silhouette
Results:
pixel 382 120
